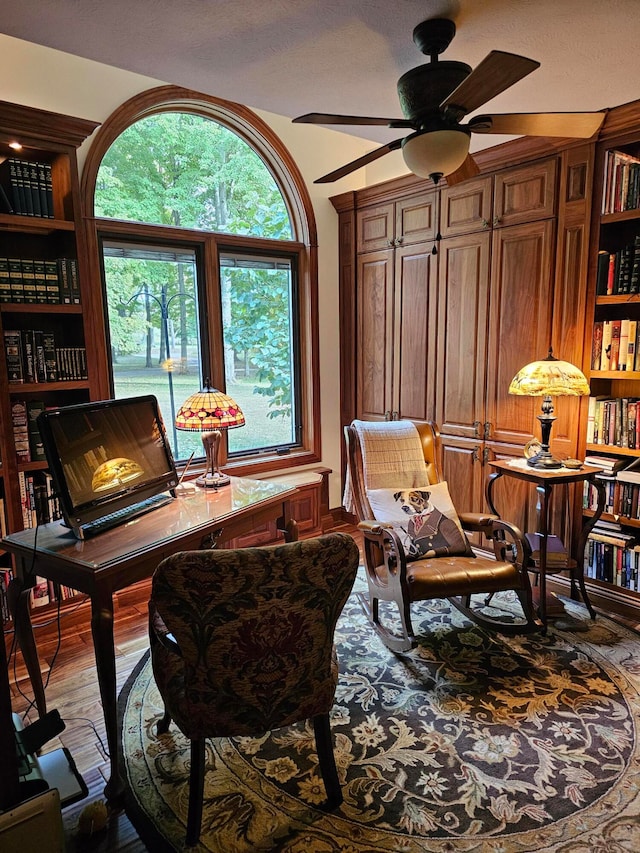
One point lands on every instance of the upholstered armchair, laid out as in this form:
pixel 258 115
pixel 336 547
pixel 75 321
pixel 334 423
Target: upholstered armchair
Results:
pixel 242 643
pixel 415 545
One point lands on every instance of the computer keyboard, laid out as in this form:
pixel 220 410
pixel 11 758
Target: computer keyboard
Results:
pixel 112 519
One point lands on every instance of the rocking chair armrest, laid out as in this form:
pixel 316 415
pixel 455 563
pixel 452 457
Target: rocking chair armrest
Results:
pixel 477 521
pixel 371 526
pixel 507 536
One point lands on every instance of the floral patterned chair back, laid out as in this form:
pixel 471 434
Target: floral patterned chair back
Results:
pixel 242 643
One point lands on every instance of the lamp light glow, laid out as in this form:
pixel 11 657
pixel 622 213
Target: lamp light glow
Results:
pixel 115 472
pixel 547 378
pixel 435 153
pixel 209 411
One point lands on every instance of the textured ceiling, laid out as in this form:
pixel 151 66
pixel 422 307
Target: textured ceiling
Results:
pixel 345 56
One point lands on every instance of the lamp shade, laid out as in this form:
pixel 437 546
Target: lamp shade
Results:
pixel 434 153
pixel 549 377
pixel 209 409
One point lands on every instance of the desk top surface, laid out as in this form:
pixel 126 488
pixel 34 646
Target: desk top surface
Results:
pixel 203 510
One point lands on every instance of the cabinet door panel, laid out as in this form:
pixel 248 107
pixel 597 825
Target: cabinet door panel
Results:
pixel 375 227
pixel 466 207
pixel 519 324
pixel 525 194
pixel 375 318
pixel 413 343
pixel 462 334
pixel 416 219
pixel 463 471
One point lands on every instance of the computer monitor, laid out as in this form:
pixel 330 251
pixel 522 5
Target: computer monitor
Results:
pixel 106 456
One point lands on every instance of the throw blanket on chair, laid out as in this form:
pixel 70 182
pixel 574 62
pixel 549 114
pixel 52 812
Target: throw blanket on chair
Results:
pixel 392 457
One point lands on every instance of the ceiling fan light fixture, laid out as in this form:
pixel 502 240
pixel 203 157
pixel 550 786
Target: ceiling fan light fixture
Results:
pixel 435 153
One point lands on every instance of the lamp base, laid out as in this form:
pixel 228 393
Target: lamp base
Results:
pixel 544 460
pixel 213 481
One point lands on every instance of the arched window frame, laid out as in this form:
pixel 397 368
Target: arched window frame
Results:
pixel 262 139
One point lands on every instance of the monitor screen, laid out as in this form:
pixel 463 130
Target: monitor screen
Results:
pixel 105 456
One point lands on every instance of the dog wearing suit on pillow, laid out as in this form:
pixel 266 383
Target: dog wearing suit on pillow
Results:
pixel 432 533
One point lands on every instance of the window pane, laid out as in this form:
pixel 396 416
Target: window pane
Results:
pixel 185 170
pixel 154 329
pixel 260 346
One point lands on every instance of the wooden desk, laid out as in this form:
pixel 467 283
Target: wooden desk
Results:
pixel 124 555
pixel 545 480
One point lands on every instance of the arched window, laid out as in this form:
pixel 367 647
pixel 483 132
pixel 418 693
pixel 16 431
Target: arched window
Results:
pixel 203 233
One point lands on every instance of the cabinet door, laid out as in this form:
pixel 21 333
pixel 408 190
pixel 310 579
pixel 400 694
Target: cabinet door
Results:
pixel 519 324
pixel 416 219
pixel 466 207
pixel 525 193
pixel 375 228
pixel 375 330
pixel 415 315
pixel 464 472
pixel 462 334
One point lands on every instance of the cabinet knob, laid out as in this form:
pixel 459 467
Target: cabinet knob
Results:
pixel 497 220
pixel 476 429
pixel 399 241
pixel 387 416
pixel 475 454
pixel 487 429
pixel 395 416
pixel 485 223
pixel 391 243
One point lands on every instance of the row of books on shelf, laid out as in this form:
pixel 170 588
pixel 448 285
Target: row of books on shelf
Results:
pixel 615 345
pixel 621 189
pixel 612 556
pixel 38 282
pixel 32 355
pixel 614 421
pixel 38 500
pixel 42 593
pixel 26 188
pixel 622 496
pixel 619 271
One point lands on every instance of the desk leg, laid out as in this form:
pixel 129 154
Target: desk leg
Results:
pixel 582 543
pixel 103 643
pixel 19 605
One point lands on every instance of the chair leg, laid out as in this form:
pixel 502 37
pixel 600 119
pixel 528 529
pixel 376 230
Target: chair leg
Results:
pixel 327 760
pixel 196 791
pixel 163 725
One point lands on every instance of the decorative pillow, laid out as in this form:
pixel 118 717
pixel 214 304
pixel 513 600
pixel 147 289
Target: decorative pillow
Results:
pixel 424 518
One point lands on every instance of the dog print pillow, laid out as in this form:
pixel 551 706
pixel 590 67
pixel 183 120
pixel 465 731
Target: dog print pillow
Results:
pixel 424 518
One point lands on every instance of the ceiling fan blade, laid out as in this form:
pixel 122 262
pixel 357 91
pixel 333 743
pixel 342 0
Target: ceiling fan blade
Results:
pixel 496 72
pixel 469 169
pixel 329 118
pixel 576 125
pixel 361 161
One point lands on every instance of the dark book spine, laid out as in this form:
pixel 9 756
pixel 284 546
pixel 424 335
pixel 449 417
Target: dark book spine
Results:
pixel 52 282
pixel 40 278
pixel 36 447
pixel 13 354
pixel 50 360
pixel 65 284
pixel 48 189
pixel 23 188
pixel 41 370
pixel 28 281
pixel 20 430
pixel 74 281
pixel 28 358
pixel 34 191
pixel 5 281
pixel 15 280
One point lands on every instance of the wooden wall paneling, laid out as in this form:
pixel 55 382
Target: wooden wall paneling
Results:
pixel 464 473
pixel 519 323
pixel 462 334
pixel 375 330
pixel 525 194
pixel 415 315
pixel 466 207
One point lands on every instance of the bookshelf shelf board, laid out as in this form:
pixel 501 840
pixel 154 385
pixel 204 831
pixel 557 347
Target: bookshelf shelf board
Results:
pixel 34 224
pixel 615 374
pixel 623 299
pixel 610 448
pixel 38 308
pixel 32 466
pixel 17 389
pixel 622 216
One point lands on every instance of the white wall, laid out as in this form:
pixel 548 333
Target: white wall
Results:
pixel 52 80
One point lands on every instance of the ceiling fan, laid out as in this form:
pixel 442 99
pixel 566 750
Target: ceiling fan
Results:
pixel 437 95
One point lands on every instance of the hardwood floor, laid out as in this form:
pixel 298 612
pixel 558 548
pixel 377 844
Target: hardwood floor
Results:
pixel 73 690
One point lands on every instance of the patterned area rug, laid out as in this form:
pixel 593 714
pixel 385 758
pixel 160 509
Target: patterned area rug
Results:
pixel 473 742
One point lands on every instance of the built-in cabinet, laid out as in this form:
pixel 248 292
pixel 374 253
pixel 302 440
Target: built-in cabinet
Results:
pixel 396 308
pixel 481 307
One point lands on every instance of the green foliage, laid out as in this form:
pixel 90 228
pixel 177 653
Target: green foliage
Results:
pixel 184 170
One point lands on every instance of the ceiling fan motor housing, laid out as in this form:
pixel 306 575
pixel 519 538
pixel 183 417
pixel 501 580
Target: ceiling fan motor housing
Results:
pixel 421 90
